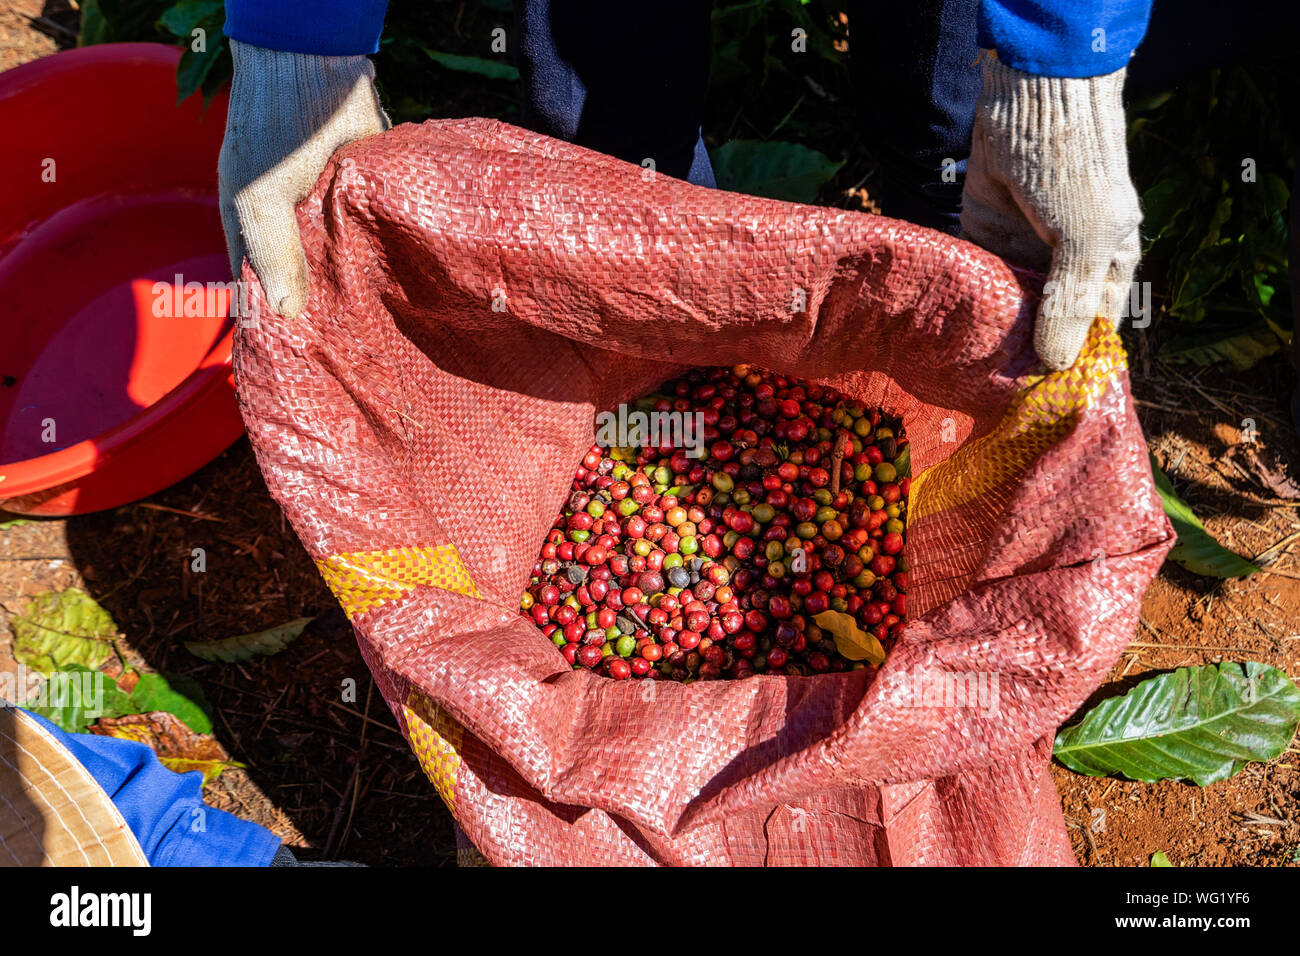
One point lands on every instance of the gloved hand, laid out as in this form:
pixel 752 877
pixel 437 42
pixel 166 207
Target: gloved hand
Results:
pixel 288 113
pixel 1047 187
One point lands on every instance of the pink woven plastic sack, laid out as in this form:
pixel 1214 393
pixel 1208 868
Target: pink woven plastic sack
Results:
pixel 480 292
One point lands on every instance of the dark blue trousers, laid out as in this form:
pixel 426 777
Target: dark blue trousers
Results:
pixel 628 80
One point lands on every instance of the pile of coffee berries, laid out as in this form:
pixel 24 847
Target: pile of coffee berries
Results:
pixel 667 566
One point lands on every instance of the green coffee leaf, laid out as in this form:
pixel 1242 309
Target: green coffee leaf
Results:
pixel 903 463
pixel 75 697
pixel 185 16
pixel 1196 550
pixel 120 21
pixel 1158 858
pixel 177 695
pixel 1163 202
pixel 491 69
pixel 193 70
pixel 1243 347
pixel 205 69
pixel 1198 723
pixel 775 169
pixel 58 629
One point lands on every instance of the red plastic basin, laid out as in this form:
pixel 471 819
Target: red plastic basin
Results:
pixel 115 328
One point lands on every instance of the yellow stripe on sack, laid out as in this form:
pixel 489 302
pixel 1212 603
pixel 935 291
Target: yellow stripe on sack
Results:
pixel 1041 416
pixel 436 739
pixel 363 580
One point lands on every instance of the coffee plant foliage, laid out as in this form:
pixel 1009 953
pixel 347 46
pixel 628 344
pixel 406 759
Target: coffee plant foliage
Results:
pixel 780 122
pixel 1214 161
pixel 436 59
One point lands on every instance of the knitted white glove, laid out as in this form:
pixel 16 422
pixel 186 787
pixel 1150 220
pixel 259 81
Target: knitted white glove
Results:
pixel 1047 187
pixel 288 113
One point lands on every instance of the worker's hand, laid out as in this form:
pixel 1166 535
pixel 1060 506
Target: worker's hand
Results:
pixel 1047 187
pixel 288 113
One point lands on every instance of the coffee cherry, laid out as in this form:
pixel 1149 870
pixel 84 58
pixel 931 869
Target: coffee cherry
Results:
pixel 648 582
pixel 781 520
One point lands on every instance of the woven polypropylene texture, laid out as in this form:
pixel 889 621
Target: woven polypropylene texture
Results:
pixel 479 292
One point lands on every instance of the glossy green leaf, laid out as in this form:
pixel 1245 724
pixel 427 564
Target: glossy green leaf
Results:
pixel 1215 221
pixel 184 17
pixel 193 70
pixel 1196 550
pixel 776 170
pixel 727 65
pixel 1198 723
pixel 120 21
pixel 199 70
pixel 1207 270
pixel 177 695
pixel 492 69
pixel 95 27
pixel 1243 347
pixel 243 647
pixel 903 463
pixel 76 697
pixel 1158 858
pixel 1163 203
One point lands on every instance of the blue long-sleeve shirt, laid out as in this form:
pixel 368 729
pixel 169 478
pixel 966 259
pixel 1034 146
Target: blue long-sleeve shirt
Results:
pixel 1048 37
pixel 165 810
pixel 1063 37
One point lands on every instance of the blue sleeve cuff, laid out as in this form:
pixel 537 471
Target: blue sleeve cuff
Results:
pixel 322 27
pixel 1063 37
pixel 165 810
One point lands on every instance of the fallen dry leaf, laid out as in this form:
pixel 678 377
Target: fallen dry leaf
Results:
pixel 1274 479
pixel 1277 481
pixel 178 748
pixel 850 640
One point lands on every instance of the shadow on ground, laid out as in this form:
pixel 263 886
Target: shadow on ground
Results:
pixel 285 716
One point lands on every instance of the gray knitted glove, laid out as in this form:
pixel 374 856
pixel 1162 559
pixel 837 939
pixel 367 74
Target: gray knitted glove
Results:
pixel 1047 187
pixel 288 113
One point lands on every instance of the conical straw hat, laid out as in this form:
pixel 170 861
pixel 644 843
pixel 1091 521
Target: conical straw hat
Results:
pixel 52 812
